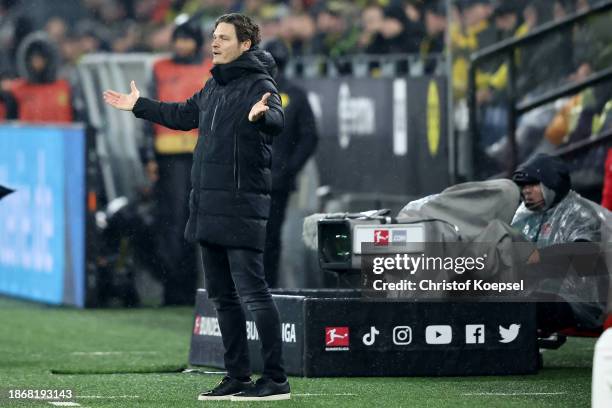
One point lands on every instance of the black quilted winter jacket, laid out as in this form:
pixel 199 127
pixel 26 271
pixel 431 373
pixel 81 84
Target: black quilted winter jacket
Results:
pixel 230 176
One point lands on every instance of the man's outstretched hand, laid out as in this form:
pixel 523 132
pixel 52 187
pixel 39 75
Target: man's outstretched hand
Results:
pixel 120 100
pixel 258 110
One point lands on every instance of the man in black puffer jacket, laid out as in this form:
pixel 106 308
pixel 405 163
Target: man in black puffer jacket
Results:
pixel 237 113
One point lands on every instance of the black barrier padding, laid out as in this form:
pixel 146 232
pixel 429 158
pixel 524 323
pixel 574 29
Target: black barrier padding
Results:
pixel 307 319
pixel 207 349
pixel 419 358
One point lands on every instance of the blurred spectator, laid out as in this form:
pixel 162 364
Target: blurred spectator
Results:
pixel 270 27
pixel 400 34
pixel 40 95
pixel 290 151
pixel 603 122
pixel 143 25
pixel 93 37
pixel 56 29
pixel 547 60
pixel 335 37
pixel 130 39
pixel 262 10
pixel 435 30
pixel 298 31
pixel 477 18
pixel 372 18
pixel 396 35
pixel 593 44
pixel 8 106
pixel 506 19
pixel 169 158
pixel 6 36
pixel 469 31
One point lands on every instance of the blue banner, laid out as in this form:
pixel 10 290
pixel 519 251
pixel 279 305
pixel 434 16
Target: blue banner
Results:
pixel 42 224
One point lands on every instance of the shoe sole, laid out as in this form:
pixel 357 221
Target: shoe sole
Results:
pixel 276 397
pixel 215 398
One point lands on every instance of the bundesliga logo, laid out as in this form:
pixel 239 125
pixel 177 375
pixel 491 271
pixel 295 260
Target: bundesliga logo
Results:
pixel 336 338
pixel 197 325
pixel 381 237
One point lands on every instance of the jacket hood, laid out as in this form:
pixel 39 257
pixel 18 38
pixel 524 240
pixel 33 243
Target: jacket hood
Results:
pixel 189 30
pixel 548 170
pixel 279 51
pixel 37 43
pixel 252 61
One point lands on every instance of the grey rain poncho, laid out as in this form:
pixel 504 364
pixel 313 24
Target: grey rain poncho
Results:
pixel 567 218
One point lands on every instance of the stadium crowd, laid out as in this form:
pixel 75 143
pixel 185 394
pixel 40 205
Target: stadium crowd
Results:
pixel 309 27
pixel 69 29
pixel 65 30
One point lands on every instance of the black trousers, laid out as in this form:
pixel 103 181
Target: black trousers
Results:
pixel 235 275
pixel 278 208
pixel 177 256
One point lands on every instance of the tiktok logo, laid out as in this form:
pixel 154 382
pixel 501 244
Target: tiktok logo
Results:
pixel 370 338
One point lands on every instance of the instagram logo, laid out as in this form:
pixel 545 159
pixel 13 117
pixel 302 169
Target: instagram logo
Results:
pixel 402 335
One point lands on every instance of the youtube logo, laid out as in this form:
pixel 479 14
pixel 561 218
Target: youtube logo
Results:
pixel 438 334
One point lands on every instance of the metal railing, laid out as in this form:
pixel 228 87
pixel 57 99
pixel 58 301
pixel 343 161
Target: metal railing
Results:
pixel 365 65
pixel 581 146
pixel 508 48
pixel 118 134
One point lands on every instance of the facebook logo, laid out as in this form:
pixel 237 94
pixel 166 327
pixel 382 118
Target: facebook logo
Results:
pixel 474 334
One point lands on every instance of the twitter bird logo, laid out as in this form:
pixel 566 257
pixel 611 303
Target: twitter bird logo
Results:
pixel 510 334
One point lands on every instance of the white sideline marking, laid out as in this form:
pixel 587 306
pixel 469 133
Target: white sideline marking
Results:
pixel 504 394
pixel 106 396
pixel 64 404
pixel 323 395
pixel 198 371
pixel 109 353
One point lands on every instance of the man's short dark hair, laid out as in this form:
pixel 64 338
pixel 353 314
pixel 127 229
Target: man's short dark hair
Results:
pixel 246 28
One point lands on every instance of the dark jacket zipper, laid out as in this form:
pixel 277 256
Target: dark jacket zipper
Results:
pixel 212 123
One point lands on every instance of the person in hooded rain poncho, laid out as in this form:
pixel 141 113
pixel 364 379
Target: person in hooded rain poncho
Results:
pixel 41 96
pixel 552 215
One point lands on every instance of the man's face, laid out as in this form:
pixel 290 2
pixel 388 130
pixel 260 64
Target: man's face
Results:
pixel 391 27
pixel 372 19
pixel 506 22
pixel 185 47
pixel 533 196
pixel 225 45
pixel 38 62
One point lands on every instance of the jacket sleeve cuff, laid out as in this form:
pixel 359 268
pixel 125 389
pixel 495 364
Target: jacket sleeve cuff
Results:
pixel 261 123
pixel 141 106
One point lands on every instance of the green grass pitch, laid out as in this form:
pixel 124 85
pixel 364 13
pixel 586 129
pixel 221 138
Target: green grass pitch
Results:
pixel 134 358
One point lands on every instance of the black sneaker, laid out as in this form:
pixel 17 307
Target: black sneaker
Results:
pixel 225 389
pixel 265 390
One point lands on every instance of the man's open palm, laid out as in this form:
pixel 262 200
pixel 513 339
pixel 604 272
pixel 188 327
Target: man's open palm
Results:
pixel 120 100
pixel 258 110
